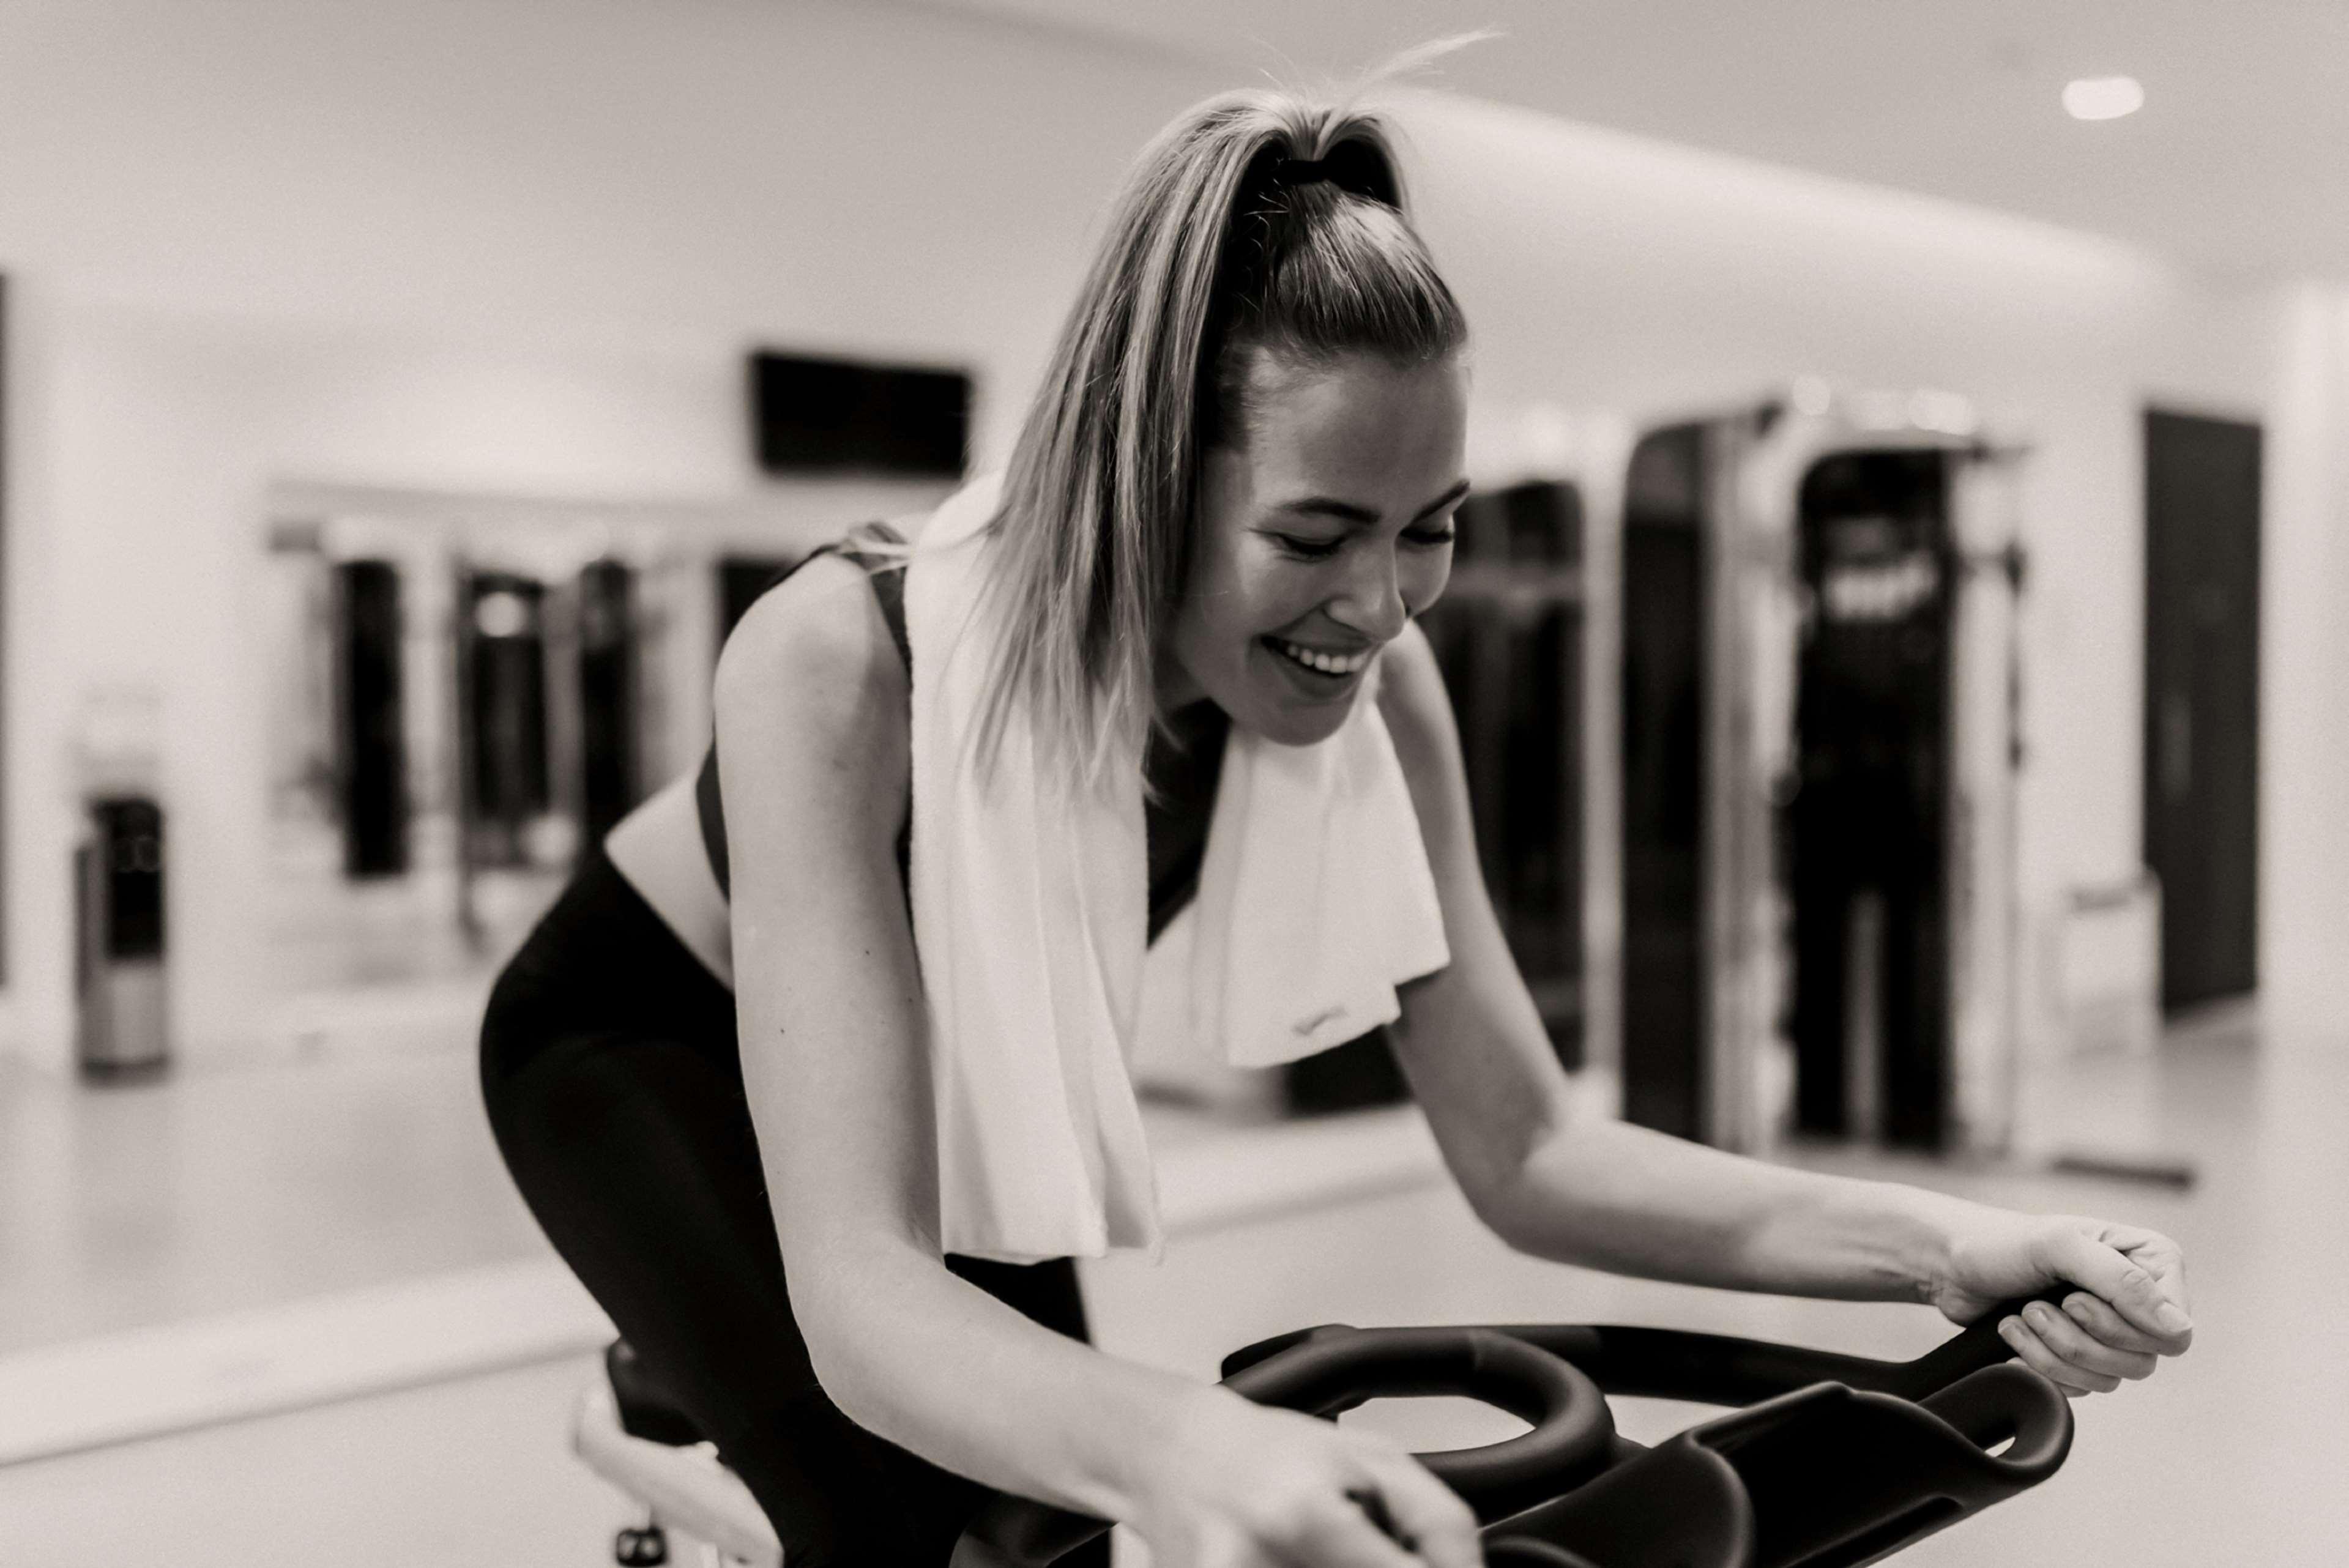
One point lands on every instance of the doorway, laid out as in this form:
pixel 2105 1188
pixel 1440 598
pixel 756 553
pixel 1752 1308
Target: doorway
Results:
pixel 2202 700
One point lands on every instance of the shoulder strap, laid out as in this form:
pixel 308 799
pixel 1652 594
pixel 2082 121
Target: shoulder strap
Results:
pixel 885 569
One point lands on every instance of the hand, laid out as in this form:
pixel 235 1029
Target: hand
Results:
pixel 2129 1308
pixel 1240 1485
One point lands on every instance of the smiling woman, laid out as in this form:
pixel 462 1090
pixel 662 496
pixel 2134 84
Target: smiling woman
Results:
pixel 767 1075
pixel 1259 265
pixel 1319 537
pixel 819 1077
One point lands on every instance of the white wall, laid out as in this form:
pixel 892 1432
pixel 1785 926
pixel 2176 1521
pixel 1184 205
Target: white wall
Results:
pixel 2305 726
pixel 518 245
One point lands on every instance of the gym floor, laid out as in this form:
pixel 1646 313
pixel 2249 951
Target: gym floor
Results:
pixel 288 1189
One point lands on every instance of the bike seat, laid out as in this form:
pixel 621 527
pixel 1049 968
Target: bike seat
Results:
pixel 645 1409
pixel 635 1437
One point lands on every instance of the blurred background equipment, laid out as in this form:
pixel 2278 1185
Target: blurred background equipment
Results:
pixel 466 693
pixel 373 771
pixel 122 1013
pixel 1510 633
pixel 501 647
pixel 610 780
pixel 1820 750
pixel 123 1024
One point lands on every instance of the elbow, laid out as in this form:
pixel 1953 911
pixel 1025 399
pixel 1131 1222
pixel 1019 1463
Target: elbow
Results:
pixel 840 1339
pixel 1524 1195
pixel 1503 1208
pixel 831 1348
pixel 1500 1192
pixel 841 1299
pixel 832 1353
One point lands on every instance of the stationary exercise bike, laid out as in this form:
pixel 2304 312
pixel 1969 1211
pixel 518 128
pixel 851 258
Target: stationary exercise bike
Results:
pixel 1826 1462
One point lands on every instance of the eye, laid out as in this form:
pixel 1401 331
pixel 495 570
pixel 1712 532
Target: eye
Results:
pixel 1431 537
pixel 1309 548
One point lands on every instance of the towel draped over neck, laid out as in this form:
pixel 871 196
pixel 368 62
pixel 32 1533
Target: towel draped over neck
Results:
pixel 1031 914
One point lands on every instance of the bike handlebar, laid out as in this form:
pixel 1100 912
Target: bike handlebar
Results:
pixel 1555 1376
pixel 1331 1371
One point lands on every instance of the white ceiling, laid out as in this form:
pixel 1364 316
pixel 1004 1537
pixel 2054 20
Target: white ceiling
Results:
pixel 2238 162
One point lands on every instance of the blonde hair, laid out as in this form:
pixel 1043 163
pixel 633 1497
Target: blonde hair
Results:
pixel 1256 219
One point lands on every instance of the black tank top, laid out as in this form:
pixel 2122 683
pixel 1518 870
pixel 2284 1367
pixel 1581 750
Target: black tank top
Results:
pixel 1180 770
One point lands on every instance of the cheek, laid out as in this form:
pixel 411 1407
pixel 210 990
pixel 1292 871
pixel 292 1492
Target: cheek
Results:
pixel 1256 596
pixel 1218 623
pixel 1422 581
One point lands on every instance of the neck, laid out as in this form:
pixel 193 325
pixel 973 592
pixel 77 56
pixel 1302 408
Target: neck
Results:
pixel 1175 689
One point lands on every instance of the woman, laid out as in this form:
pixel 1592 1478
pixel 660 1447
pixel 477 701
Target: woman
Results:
pixel 1231 497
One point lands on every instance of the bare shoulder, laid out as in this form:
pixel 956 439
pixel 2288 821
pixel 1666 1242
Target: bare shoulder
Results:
pixel 1414 701
pixel 812 669
pixel 1417 708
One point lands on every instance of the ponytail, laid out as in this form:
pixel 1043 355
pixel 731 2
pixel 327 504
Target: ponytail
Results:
pixel 1254 219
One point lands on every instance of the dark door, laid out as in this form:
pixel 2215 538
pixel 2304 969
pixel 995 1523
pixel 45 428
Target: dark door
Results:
pixel 1666 994
pixel 2202 699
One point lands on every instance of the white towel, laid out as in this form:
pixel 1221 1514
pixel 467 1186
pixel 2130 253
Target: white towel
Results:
pixel 1031 914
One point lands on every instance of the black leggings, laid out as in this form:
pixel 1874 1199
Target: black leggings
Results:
pixel 615 1088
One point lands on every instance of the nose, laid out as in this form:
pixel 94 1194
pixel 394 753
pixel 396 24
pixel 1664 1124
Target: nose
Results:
pixel 1370 603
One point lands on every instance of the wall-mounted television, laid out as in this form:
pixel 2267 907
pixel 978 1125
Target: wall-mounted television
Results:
pixel 821 416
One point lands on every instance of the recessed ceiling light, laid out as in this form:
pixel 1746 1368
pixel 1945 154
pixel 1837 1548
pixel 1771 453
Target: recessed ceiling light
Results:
pixel 2102 97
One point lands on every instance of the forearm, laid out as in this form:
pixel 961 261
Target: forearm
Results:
pixel 1610 1195
pixel 932 1363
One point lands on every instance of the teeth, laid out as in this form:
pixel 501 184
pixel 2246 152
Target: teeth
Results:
pixel 1326 663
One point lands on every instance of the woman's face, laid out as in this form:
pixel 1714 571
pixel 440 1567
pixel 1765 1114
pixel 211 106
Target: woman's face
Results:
pixel 1318 539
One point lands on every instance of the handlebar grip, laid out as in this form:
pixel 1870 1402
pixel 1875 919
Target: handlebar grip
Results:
pixel 1975 1346
pixel 1723 1369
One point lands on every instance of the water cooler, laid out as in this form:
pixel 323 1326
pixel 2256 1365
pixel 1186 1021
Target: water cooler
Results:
pixel 122 1024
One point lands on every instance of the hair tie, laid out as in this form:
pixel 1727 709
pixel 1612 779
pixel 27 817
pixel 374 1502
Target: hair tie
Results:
pixel 1352 166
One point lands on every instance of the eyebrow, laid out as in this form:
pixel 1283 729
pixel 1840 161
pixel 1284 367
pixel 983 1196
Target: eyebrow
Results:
pixel 1347 511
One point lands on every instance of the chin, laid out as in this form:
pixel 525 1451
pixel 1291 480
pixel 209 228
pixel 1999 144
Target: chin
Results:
pixel 1284 726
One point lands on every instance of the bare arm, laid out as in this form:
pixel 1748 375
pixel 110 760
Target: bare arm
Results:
pixel 812 716
pixel 1585 1189
pixel 811 707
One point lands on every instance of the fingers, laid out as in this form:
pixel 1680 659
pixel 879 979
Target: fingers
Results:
pixel 2160 1257
pixel 2064 1335
pixel 1426 1515
pixel 2101 1322
pixel 2134 1271
pixel 1342 1534
pixel 2034 1353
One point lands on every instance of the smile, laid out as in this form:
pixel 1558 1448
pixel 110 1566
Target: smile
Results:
pixel 1321 661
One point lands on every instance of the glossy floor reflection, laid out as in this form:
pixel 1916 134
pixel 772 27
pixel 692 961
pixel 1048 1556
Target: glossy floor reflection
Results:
pixel 132 1204
pixel 2233 1454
